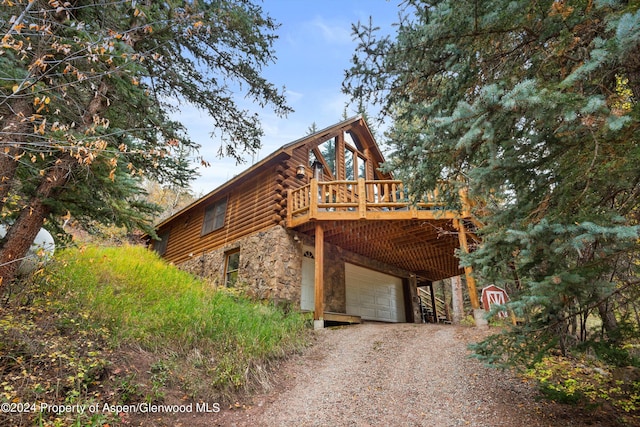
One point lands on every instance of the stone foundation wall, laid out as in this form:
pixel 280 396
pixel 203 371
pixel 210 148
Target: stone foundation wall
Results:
pixel 270 264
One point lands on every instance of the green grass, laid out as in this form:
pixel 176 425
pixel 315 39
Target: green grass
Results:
pixel 144 301
pixel 93 305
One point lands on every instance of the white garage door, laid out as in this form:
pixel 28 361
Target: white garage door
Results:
pixel 373 295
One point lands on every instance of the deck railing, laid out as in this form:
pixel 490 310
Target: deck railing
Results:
pixel 354 200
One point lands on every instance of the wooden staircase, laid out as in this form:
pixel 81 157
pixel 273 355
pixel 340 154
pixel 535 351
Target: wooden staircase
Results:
pixel 432 308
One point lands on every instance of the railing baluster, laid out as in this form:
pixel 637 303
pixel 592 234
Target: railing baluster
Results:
pixel 362 204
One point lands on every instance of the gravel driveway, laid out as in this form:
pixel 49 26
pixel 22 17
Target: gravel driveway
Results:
pixel 378 374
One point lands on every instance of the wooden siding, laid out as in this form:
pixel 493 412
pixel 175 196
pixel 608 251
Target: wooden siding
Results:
pixel 252 206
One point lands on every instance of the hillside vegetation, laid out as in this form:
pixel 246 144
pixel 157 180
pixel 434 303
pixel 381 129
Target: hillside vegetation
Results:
pixel 118 326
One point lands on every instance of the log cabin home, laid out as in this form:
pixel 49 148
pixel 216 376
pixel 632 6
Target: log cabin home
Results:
pixel 319 225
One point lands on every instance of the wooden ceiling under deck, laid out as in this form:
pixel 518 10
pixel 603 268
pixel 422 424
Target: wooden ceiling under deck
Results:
pixel 423 247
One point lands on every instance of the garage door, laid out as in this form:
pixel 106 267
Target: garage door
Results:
pixel 373 295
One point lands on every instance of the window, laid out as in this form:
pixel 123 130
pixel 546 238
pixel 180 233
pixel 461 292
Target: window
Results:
pixel 349 164
pixel 362 167
pixel 160 246
pixel 328 151
pixel 352 140
pixel 231 265
pixel 214 216
pixel 355 164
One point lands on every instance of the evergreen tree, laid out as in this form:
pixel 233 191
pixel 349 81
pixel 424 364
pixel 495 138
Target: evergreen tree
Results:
pixel 532 106
pixel 87 89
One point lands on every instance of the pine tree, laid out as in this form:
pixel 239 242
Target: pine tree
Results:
pixel 87 89
pixel 532 106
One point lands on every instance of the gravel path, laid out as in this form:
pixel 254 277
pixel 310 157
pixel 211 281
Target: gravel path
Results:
pixel 378 374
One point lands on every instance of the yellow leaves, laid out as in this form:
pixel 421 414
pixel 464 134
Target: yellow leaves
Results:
pixel 61 47
pixel 41 103
pixel 10 43
pixel 113 162
pixel 55 127
pixel 41 28
pixel 40 63
pixel 100 144
pixel 621 101
pixel 18 27
pixel 40 129
pixel 560 7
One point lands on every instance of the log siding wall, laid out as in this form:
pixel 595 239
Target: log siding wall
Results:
pixel 258 201
pixel 251 207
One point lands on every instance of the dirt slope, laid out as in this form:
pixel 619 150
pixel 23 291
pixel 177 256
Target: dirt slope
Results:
pixel 395 375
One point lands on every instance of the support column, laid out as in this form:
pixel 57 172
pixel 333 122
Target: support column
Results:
pixel 478 313
pixel 318 312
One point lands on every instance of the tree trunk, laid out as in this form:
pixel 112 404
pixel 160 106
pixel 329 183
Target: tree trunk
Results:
pixel 609 321
pixel 12 134
pixel 21 234
pixel 632 69
pixel 457 300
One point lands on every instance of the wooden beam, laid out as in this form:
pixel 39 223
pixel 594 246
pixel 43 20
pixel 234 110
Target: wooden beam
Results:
pixel 341 317
pixel 318 313
pixel 468 271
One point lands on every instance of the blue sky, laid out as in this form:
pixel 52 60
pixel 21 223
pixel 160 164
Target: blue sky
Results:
pixel 313 50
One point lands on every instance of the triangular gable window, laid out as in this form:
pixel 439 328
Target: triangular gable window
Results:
pixel 345 148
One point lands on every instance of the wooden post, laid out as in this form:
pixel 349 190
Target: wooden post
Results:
pixel 289 207
pixel 433 303
pixel 318 313
pixel 362 198
pixel 313 199
pixel 468 271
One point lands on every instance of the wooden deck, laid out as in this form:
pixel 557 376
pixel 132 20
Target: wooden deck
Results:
pixel 378 220
pixel 361 199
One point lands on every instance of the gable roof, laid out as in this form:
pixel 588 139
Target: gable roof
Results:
pixel 356 123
